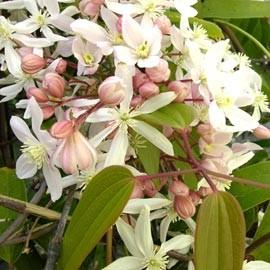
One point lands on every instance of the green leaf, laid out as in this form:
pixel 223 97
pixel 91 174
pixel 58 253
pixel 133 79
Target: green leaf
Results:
pixel 175 115
pixel 248 196
pixel 15 188
pixel 101 204
pixel 262 252
pixel 212 29
pixel 233 9
pixel 220 234
pixel 149 157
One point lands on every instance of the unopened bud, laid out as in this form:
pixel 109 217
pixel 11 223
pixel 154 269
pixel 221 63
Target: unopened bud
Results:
pixel 195 197
pixel 61 66
pixel 137 190
pixel 164 24
pixel 54 84
pixel 182 90
pixel 148 89
pixel 184 206
pixel 111 91
pixel 139 79
pixel 167 131
pixel 149 189
pixel 32 63
pixel 88 8
pixel 261 132
pixel 160 73
pixel 62 129
pixel 178 188
pixel 206 132
pixel 47 111
pixel 136 101
pixel 39 94
pixel 119 25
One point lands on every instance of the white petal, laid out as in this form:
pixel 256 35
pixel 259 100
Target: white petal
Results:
pixel 27 26
pixel 52 6
pixel 118 149
pixel 11 90
pixel 216 116
pixel 257 265
pixel 127 9
pixel 143 234
pixel 155 103
pixel 164 227
pixel 50 35
pixel 89 30
pixel 125 55
pixel 109 18
pixel 127 235
pixel 127 263
pixel 135 206
pixel 102 115
pixel 25 168
pixel 177 243
pixel 32 42
pixel 53 180
pixel 21 129
pixel 153 136
pixel 151 61
pixel 13 61
pixel 16 4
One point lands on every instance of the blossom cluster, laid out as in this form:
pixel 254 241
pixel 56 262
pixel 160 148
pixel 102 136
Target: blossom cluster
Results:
pixel 96 71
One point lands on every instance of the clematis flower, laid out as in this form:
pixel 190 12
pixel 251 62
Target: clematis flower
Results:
pixel 143 43
pixel 256 265
pixel 36 151
pixel 123 118
pixel 139 242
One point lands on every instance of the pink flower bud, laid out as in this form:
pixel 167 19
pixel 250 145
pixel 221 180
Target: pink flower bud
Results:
pixel 139 79
pixel 32 63
pixel 184 206
pixel 61 66
pixel 54 84
pixel 23 51
pixel 89 8
pixel 261 132
pixel 148 89
pixel 167 131
pixel 149 188
pixel 137 190
pixel 75 153
pixel 178 188
pixel 48 111
pixel 111 91
pixel 38 94
pixel 119 25
pixel 182 90
pixel 205 191
pixel 195 197
pixel 164 24
pixel 160 73
pixel 206 132
pixel 136 101
pixel 62 129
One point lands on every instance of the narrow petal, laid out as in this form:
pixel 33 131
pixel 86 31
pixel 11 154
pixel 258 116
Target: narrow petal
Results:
pixel 216 116
pixel 127 235
pixel 143 234
pixel 17 4
pixel 25 168
pixel 27 26
pixel 32 42
pixel 118 149
pixel 177 243
pixel 155 103
pixel 164 227
pixel 102 115
pixel 109 18
pixel 13 61
pixel 127 263
pixel 11 90
pixel 53 180
pixel 125 55
pixel 257 265
pixel 152 135
pixel 127 9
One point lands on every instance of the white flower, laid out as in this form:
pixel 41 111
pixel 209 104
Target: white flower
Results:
pixel 36 151
pixel 143 43
pixel 139 242
pixel 124 117
pixel 184 7
pixel 256 265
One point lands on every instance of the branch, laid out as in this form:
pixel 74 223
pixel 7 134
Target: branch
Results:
pixel 257 243
pixel 180 257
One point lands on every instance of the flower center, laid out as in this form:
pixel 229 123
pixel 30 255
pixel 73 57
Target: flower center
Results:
pixel 158 262
pixel 116 38
pixel 124 117
pixel 261 100
pixel 36 152
pixel 88 58
pixel 5 31
pixel 40 18
pixel 224 101
pixel 143 50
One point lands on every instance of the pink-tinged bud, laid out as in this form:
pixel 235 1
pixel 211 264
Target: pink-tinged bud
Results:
pixel 149 189
pixel 48 111
pixel 119 25
pixel 148 89
pixel 195 197
pixel 61 66
pixel 139 79
pixel 205 191
pixel 88 8
pixel 75 153
pixel 160 73
pixel 54 84
pixel 137 190
pixel 39 94
pixel 261 132
pixel 178 188
pixel 167 131
pixel 136 101
pixel 184 206
pixel 164 24
pixel 206 132
pixel 182 90
pixel 62 129
pixel 111 91
pixel 32 63
pixel 23 51
pixel 98 2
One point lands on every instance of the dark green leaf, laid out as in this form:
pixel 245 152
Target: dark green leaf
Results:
pixel 101 204
pixel 220 234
